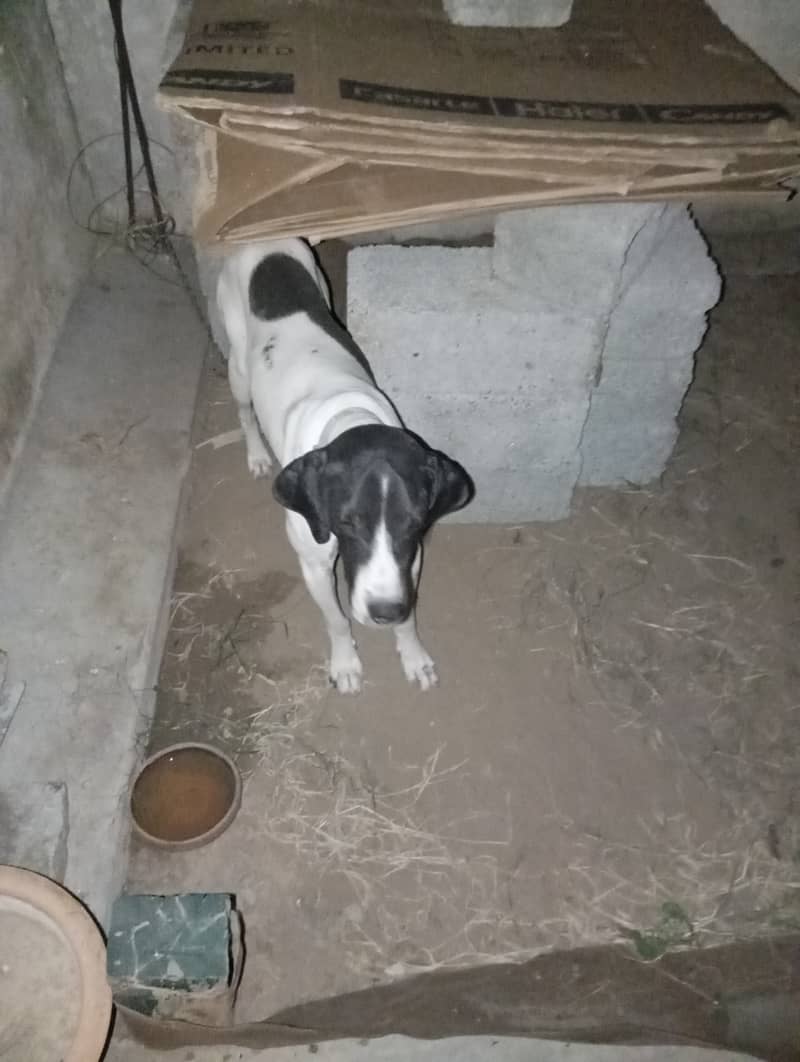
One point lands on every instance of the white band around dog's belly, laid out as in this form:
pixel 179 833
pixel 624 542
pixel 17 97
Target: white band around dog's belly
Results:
pixel 316 421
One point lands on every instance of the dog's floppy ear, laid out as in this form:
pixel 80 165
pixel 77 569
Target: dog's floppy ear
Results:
pixel 451 487
pixel 300 487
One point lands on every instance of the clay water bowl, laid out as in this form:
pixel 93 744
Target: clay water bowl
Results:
pixel 185 796
pixel 55 1002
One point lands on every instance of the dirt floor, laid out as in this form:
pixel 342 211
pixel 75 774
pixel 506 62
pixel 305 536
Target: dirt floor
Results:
pixel 612 751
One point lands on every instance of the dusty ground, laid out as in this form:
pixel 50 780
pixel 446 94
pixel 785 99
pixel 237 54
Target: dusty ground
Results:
pixel 613 750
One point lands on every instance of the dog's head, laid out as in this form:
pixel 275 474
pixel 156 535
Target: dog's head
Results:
pixel 378 490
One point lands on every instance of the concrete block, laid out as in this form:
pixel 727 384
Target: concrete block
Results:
pixel 377 278
pixel 451 422
pixel 34 827
pixel 177 958
pixel 534 13
pixel 641 378
pixel 658 320
pixel 497 352
pixel 644 446
pixel 547 493
pixel 558 356
pixel 568 258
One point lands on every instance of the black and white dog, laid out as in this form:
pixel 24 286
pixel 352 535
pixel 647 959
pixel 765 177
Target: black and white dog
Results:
pixel 357 484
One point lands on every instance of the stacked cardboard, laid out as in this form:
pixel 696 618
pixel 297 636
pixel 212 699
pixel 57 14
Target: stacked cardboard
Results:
pixel 331 117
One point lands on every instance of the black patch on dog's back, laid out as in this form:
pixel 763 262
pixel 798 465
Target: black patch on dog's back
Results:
pixel 281 286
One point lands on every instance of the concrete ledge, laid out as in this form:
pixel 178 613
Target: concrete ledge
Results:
pixel 449 1049
pixel 34 826
pixel 46 254
pixel 86 553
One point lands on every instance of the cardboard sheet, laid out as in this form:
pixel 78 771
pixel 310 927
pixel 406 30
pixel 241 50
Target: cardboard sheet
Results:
pixel 341 116
pixel 346 198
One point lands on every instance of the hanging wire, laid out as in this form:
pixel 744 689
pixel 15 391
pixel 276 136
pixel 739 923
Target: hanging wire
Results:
pixel 129 103
pixel 146 239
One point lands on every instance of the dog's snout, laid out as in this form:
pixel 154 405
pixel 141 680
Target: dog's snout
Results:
pixel 388 611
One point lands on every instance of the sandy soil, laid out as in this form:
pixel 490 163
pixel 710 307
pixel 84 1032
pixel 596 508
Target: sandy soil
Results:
pixel 612 751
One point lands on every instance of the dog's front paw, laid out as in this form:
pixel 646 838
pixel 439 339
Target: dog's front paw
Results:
pixel 346 672
pixel 260 464
pixel 418 665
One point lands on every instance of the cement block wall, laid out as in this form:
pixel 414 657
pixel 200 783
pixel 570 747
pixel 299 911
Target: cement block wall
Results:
pixel 557 357
pixel 43 254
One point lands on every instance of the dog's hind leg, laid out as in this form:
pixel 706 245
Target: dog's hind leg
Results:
pixel 258 460
pixel 233 318
pixel 345 666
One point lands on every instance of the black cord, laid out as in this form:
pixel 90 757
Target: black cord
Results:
pixel 158 235
pixel 126 143
pixel 129 96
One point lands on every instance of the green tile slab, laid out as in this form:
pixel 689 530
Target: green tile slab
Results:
pixel 181 943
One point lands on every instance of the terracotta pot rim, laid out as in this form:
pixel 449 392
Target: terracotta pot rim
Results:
pixel 80 931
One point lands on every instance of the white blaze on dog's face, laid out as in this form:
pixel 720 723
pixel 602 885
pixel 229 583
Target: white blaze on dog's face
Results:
pixel 378 489
pixel 379 520
pixel 379 592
